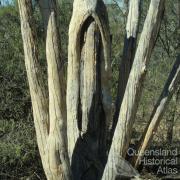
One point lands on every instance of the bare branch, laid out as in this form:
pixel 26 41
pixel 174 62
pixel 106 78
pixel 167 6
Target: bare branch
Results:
pixel 34 73
pixel 128 55
pixel 37 90
pixel 132 94
pixel 157 114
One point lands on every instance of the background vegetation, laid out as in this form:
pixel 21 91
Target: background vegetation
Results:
pixel 19 157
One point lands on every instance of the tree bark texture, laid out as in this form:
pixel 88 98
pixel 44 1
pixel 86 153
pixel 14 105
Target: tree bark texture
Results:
pixel 57 139
pixel 128 55
pixel 88 88
pixel 49 113
pixel 37 89
pixel 132 94
pixel 169 88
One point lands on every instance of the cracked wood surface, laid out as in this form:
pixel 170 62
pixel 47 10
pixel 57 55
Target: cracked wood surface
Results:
pixel 39 96
pixel 49 114
pixel 132 94
pixel 129 50
pixel 57 154
pixel 85 12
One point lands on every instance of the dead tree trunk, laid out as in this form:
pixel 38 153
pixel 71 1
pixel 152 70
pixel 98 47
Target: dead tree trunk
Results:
pixel 78 142
pixel 159 109
pixel 132 94
pixel 49 116
pixel 38 94
pixel 57 141
pixel 88 88
pixel 128 55
pixel 84 13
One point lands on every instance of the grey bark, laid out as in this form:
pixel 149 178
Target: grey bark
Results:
pixel 37 90
pixel 85 11
pixel 49 114
pixel 88 89
pixel 132 94
pixel 57 140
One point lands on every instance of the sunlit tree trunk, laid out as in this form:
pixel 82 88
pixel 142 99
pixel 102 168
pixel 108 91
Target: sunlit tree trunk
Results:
pixel 132 94
pixel 88 88
pixel 128 55
pixel 38 94
pixel 72 129
pixel 84 13
pixel 49 113
pixel 57 140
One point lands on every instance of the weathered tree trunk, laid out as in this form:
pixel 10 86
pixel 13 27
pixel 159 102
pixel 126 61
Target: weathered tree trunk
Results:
pixel 83 134
pixel 132 94
pixel 57 140
pixel 171 85
pixel 128 55
pixel 84 14
pixel 37 90
pixel 50 121
pixel 88 89
pixel 86 159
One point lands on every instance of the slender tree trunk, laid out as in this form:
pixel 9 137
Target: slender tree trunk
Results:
pixel 132 94
pixel 57 140
pixel 49 117
pixel 128 55
pixel 171 85
pixel 37 90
